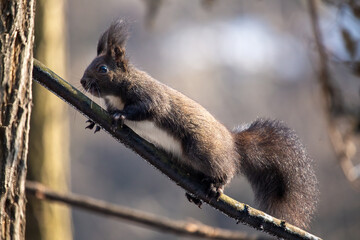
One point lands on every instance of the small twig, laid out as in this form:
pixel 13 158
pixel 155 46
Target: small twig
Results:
pixel 152 11
pixel 162 161
pixel 342 144
pixel 146 219
pixel 324 73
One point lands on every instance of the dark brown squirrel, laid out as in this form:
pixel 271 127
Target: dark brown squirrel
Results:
pixel 267 152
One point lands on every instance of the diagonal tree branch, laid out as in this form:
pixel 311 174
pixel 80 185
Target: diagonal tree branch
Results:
pixel 162 161
pixel 185 228
pixel 343 144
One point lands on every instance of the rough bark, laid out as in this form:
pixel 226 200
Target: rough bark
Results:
pixel 47 162
pixel 16 43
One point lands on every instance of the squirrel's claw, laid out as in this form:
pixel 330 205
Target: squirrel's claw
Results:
pixel 92 125
pixel 97 129
pixel 215 192
pixel 198 202
pixel 118 118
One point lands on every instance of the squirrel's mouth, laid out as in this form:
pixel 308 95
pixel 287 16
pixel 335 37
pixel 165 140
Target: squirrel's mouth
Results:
pixel 94 91
pixel 90 86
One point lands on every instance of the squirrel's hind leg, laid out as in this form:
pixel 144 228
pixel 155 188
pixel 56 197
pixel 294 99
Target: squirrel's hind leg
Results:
pixel 214 188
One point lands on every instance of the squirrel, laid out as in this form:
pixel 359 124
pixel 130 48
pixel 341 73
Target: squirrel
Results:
pixel 267 152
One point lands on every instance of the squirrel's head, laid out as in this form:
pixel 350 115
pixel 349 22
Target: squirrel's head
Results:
pixel 110 67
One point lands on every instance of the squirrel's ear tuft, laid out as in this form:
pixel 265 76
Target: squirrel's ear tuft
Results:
pixel 113 41
pixel 102 44
pixel 116 35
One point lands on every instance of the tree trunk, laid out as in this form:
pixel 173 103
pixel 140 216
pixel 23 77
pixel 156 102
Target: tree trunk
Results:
pixel 16 43
pixel 48 159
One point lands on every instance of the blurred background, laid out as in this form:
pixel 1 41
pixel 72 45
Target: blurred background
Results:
pixel 240 60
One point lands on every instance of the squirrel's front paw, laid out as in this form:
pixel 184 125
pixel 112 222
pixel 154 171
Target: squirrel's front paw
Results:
pixel 91 126
pixel 118 117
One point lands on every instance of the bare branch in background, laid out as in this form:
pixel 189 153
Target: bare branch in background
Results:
pixel 342 141
pixel 162 161
pixel 350 10
pixel 208 4
pixel 152 10
pixel 184 228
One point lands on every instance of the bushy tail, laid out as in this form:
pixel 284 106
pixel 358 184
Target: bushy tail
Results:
pixel 279 170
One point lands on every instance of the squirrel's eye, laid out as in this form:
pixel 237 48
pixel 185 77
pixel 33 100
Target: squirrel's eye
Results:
pixel 103 69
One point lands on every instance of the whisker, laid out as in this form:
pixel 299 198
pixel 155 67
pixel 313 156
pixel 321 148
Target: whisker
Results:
pixel 92 100
pixel 78 86
pixel 97 89
pixel 83 90
pixel 101 101
pixel 87 86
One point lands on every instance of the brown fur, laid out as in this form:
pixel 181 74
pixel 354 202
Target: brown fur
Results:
pixel 269 154
pixel 279 170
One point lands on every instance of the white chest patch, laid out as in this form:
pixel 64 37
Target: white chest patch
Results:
pixel 115 102
pixel 150 132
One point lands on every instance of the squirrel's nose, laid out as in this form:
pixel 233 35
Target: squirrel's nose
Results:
pixel 83 81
